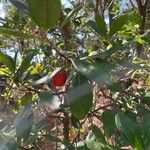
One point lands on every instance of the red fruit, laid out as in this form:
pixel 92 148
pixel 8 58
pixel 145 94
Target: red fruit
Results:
pixel 59 79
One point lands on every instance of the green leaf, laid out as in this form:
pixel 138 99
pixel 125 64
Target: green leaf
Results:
pixel 71 14
pixel 26 63
pixel 93 26
pixel 23 127
pixel 80 96
pixel 98 134
pixel 146 100
pixel 5 72
pixel 82 147
pixel 75 122
pixel 21 6
pixel 115 47
pixel 117 24
pixel 45 13
pixel 108 120
pixel 95 145
pixel 24 66
pixel 7 61
pixel 52 138
pixel 45 97
pixel 42 80
pixel 130 131
pixel 3 124
pixel 10 32
pixel 25 100
pixel 23 124
pixel 7 142
pixel 10 145
pixel 115 87
pixel 24 112
pixel 145 129
pixel 130 114
pixel 101 24
pixel 139 39
pixel 2 19
pixel 95 70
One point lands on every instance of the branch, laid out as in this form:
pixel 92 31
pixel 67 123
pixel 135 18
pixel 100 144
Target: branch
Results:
pixel 106 106
pixel 110 4
pixel 96 7
pixel 140 6
pixel 29 88
pixel 66 126
pixel 132 4
pixel 51 44
pixel 146 3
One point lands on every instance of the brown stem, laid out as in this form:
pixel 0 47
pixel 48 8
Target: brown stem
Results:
pixel 143 12
pixel 132 4
pixel 110 4
pixel 29 88
pixel 96 7
pixel 106 106
pixel 66 126
pixel 57 50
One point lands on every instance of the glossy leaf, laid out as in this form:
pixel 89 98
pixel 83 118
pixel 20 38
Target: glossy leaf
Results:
pixel 117 24
pixel 115 87
pixel 101 24
pixel 25 100
pixel 21 6
pixel 70 15
pixel 23 124
pixel 115 47
pixel 42 80
pixel 2 19
pixel 98 134
pixel 95 145
pixel 10 32
pixel 45 13
pixel 146 100
pixel 93 26
pixel 80 96
pixel 130 131
pixel 25 64
pixel 23 127
pixel 45 97
pixel 10 145
pixel 7 142
pixel 146 130
pixel 52 138
pixel 108 120
pixel 24 112
pixel 3 123
pixel 75 122
pixel 7 61
pixel 97 70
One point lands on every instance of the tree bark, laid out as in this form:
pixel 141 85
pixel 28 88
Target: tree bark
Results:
pixel 143 12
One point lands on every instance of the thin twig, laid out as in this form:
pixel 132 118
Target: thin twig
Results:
pixel 29 88
pixel 104 107
pixel 132 4
pixel 110 4
pixel 51 44
pixel 146 3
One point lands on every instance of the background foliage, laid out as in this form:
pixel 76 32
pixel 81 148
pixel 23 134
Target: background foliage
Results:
pixel 104 48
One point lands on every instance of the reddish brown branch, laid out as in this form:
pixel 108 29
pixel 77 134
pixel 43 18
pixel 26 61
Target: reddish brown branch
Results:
pixel 57 50
pixel 66 126
pixel 106 106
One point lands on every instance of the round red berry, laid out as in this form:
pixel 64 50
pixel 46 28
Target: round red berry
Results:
pixel 59 79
